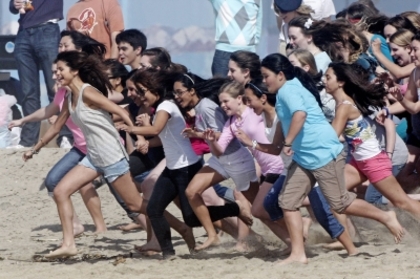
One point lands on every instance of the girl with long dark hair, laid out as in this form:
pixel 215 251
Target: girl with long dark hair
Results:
pixel 318 155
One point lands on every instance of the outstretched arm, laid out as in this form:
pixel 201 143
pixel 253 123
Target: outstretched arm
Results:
pixel 51 132
pixel 39 115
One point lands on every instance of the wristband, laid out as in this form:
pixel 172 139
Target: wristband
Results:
pixel 254 144
pixel 386 111
pixel 287 145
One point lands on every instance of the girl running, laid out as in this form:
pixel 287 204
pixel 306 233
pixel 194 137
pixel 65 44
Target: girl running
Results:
pixel 181 161
pixel 317 155
pixel 355 98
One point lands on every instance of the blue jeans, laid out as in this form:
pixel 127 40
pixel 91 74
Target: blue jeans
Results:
pixel 319 206
pixel 61 168
pixel 220 65
pixel 35 50
pixel 373 196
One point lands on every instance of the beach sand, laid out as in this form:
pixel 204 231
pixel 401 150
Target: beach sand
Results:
pixel 30 226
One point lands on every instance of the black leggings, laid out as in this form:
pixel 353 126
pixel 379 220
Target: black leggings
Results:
pixel 170 184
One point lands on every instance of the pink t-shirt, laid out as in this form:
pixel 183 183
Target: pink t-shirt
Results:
pixel 78 137
pixel 253 126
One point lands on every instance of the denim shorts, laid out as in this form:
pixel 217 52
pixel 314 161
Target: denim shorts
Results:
pixel 110 173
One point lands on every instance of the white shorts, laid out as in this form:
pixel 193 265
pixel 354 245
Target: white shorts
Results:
pixel 239 166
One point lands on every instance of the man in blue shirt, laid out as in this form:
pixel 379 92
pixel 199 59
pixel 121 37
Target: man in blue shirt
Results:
pixel 238 27
pixel 36 47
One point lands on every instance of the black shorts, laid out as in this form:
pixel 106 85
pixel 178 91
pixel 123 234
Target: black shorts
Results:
pixel 269 178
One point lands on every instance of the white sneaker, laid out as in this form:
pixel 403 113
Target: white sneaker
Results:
pixel 65 143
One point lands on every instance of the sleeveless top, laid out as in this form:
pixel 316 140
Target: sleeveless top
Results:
pixel 360 137
pixel 102 139
pixel 415 118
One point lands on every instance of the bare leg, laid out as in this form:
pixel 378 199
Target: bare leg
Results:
pixel 93 204
pixel 407 177
pixel 202 181
pixel 293 221
pixel 72 181
pixel 78 228
pixel 259 212
pixel 363 209
pixel 390 188
pixel 244 231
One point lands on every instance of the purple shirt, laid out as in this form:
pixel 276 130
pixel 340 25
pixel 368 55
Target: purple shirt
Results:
pixel 253 126
pixel 44 10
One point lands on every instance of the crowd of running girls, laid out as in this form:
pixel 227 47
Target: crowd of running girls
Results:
pixel 339 112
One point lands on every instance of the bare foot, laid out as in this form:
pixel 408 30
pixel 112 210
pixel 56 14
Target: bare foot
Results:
pixel 244 209
pixel 149 249
pixel 62 252
pixel 293 259
pixel 394 226
pixel 211 241
pixel 189 238
pixel 78 230
pixel 242 246
pixel 130 227
pixel 336 245
pixel 307 222
pixel 285 252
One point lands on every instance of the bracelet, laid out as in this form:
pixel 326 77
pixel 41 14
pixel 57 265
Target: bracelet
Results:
pixel 386 111
pixel 400 100
pixel 287 145
pixel 254 144
pixel 392 153
pixel 34 151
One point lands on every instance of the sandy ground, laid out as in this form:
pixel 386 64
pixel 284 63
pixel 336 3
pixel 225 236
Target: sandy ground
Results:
pixel 30 226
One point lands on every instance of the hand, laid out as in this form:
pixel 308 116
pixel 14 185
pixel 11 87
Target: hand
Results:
pixel 126 128
pixel 209 135
pixel 396 93
pixel 143 119
pixel 15 123
pixel 242 137
pixel 288 150
pixel 189 133
pixel 381 116
pixel 18 4
pixel 27 155
pixel 376 46
pixel 52 119
pixel 142 146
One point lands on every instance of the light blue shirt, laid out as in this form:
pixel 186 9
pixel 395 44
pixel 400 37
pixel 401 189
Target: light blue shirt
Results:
pixel 238 24
pixel 322 61
pixel 317 143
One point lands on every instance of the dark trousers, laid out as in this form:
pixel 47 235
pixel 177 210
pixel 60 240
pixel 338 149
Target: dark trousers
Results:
pixel 36 49
pixel 173 183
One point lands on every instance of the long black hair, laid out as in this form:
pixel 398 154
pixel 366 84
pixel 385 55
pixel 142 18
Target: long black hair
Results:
pixel 85 43
pixel 91 69
pixel 259 88
pixel 279 63
pixel 117 69
pixel 158 82
pixel 366 95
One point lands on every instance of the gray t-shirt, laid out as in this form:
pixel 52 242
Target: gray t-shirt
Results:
pixel 208 115
pixel 400 155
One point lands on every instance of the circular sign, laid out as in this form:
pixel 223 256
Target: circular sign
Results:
pixel 9 47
